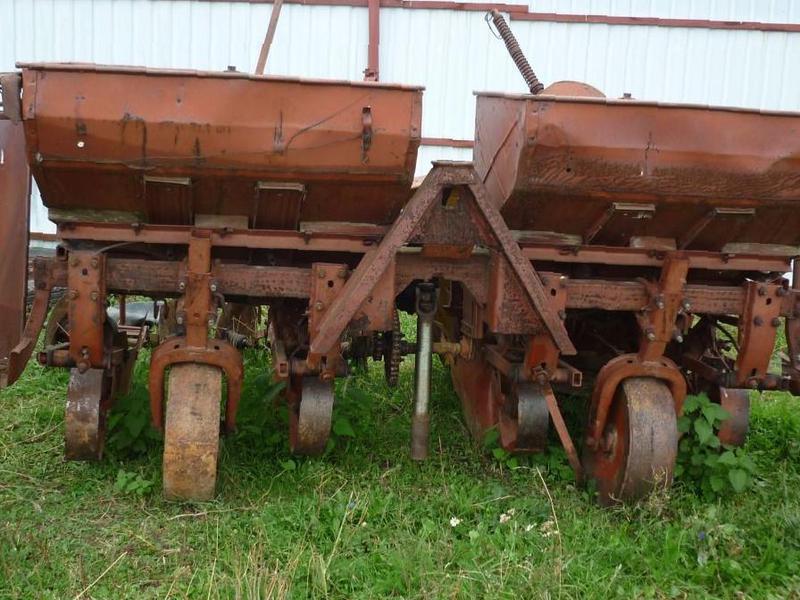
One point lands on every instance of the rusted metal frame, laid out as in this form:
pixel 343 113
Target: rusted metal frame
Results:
pixel 563 433
pixel 216 353
pixel 623 367
pixel 359 243
pixel 87 309
pixel 658 319
pixel 372 72
pixel 758 327
pixel 644 257
pixel 327 281
pixel 21 353
pixel 198 314
pixel 135 276
pixel 522 267
pixel 374 264
pixel 256 239
pixel 198 311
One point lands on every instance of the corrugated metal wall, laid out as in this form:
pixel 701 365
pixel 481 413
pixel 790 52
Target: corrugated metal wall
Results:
pixel 452 53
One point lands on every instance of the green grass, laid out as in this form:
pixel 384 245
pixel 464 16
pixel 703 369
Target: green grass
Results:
pixel 364 521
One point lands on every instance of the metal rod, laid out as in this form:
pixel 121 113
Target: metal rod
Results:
pixel 420 423
pixel 371 73
pixel 273 25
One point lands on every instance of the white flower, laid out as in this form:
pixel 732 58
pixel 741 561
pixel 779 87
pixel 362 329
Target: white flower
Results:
pixel 505 518
pixel 511 511
pixel 548 528
pixel 454 521
pixel 529 528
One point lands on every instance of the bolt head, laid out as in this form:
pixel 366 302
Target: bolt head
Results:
pixel 182 286
pixel 343 272
pixel 319 305
pixel 94 296
pixel 762 291
pixel 179 320
pixel 74 262
pixel 687 306
pixel 95 263
pixel 213 287
pixel 776 321
pixel 321 274
pixel 651 336
pixel 73 294
pixel 758 321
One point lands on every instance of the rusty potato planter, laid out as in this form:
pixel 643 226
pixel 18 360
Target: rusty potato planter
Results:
pixel 592 240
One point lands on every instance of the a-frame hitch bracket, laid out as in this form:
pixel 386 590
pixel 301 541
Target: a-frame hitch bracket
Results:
pixel 421 221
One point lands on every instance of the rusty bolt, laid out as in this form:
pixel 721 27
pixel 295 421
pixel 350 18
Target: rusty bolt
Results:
pixel 651 335
pixel 343 273
pixel 319 305
pixel 95 262
pixel 776 322
pixel 542 378
pixel 94 296
pixel 762 291
pixel 677 336
pixel 562 314
pixel 182 285
pixel 74 262
pixel 321 274
pixel 753 383
pixel 213 287
pixel 758 321
pixel 687 306
pixel 85 352
pixel 660 302
pixel 179 320
pixel 73 294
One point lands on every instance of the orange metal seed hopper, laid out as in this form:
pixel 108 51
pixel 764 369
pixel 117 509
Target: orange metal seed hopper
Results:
pixel 162 146
pixel 615 171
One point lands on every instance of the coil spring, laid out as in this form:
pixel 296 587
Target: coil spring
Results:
pixel 534 85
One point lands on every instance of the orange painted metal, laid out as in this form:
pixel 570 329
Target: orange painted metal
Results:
pixel 560 163
pixel 166 145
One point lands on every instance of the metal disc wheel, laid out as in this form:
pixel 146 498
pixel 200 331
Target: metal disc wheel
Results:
pixel 733 431
pixel 637 452
pixel 310 410
pixel 88 395
pixel 191 432
pixel 524 419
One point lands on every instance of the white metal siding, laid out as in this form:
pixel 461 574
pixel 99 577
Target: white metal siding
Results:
pixel 452 53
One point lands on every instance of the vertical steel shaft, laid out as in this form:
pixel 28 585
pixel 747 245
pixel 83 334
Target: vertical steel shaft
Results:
pixel 420 422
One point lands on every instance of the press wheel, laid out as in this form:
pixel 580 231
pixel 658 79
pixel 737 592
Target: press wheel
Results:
pixel 524 418
pixel 637 451
pixel 310 411
pixel 191 432
pixel 733 431
pixel 85 415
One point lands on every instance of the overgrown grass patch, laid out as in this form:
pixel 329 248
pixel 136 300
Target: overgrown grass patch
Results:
pixel 364 520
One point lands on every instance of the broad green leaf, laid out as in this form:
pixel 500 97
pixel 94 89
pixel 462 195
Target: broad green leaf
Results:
pixel 738 479
pixel 728 458
pixel 703 430
pixel 715 413
pixel 342 428
pixel 717 483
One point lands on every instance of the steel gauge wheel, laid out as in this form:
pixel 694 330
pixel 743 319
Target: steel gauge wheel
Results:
pixel 191 432
pixel 637 452
pixel 310 412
